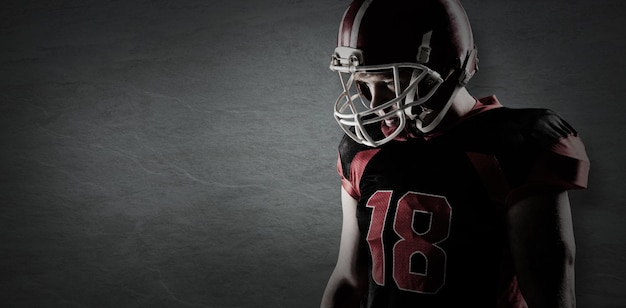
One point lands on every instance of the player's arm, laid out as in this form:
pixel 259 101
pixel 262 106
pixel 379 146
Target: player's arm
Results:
pixel 542 243
pixel 348 280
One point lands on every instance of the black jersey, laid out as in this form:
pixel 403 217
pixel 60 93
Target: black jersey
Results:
pixel 431 210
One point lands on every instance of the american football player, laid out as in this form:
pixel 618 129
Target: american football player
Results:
pixel 448 200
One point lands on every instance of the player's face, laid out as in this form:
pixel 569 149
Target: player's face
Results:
pixel 380 87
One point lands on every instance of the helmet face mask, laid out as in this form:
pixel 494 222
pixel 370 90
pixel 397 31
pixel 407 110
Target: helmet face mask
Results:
pixel 423 75
pixel 410 84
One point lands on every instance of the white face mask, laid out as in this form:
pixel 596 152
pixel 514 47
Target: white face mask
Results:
pixel 386 96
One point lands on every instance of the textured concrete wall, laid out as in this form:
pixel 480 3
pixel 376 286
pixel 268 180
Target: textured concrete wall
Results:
pixel 181 153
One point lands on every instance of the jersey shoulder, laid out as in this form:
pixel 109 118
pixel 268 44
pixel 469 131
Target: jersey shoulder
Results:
pixel 526 127
pixel 536 147
pixel 348 149
pixel 543 127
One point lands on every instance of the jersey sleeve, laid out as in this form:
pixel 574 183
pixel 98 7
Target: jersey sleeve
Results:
pixel 345 179
pixel 351 163
pixel 560 158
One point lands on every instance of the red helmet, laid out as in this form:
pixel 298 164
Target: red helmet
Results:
pixel 430 39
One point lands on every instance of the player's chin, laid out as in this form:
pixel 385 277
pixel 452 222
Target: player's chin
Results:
pixel 389 126
pixel 391 123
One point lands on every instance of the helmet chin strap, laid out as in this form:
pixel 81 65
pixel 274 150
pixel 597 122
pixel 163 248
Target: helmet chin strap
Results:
pixel 450 85
pixel 419 123
pixel 457 80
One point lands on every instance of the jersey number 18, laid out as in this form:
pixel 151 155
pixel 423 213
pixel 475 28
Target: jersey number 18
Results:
pixel 411 242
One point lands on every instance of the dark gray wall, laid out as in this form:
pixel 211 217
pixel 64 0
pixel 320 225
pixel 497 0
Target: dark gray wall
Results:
pixel 181 153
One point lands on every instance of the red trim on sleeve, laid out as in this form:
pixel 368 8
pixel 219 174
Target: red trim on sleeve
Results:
pixel 357 167
pixel 571 146
pixel 345 183
pixel 566 165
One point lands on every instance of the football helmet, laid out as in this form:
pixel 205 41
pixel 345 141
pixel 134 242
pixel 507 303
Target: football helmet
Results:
pixel 429 42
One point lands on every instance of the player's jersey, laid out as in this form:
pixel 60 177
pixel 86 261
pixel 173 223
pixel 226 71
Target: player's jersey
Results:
pixel 431 211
